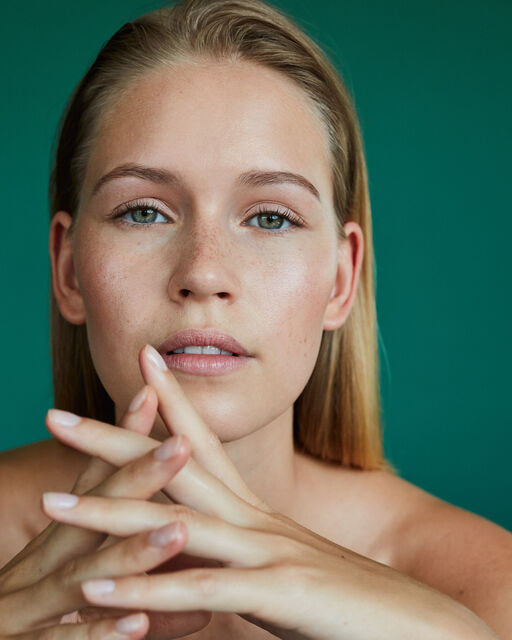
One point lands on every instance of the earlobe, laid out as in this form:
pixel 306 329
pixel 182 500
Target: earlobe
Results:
pixel 64 282
pixel 343 294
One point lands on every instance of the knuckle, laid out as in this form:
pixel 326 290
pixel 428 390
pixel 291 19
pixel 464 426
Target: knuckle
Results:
pixel 204 583
pixel 287 549
pixel 68 574
pixel 183 513
pixel 298 575
pixel 133 551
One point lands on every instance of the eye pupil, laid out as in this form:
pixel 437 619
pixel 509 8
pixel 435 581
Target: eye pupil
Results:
pixel 275 221
pixel 146 214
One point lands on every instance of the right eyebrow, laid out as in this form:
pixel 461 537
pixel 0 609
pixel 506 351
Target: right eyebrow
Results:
pixel 164 176
pixel 158 176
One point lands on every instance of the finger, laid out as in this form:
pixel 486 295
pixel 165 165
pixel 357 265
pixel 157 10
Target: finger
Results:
pixel 139 418
pixel 140 479
pixel 146 475
pixel 130 627
pixel 193 486
pixel 208 537
pixel 60 592
pixel 228 590
pixel 180 416
pixel 141 412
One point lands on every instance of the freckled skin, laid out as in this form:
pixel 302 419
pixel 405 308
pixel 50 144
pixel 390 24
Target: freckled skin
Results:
pixel 210 123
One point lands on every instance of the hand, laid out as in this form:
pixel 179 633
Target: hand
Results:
pixel 42 583
pixel 274 573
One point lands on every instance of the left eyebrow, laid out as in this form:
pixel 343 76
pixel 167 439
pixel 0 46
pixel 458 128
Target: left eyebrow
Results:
pixel 261 178
pixel 164 176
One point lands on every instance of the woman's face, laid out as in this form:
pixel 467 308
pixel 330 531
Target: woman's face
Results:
pixel 195 251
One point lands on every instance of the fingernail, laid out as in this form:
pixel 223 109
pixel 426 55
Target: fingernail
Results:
pixel 54 500
pixel 168 448
pixel 164 536
pixel 155 358
pixel 63 418
pixel 130 623
pixel 95 588
pixel 138 400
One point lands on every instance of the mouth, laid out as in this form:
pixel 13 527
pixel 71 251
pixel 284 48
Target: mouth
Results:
pixel 206 352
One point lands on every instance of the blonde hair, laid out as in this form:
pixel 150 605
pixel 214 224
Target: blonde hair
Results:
pixel 337 417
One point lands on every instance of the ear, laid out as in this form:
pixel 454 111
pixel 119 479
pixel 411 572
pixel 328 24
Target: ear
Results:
pixel 343 294
pixel 64 281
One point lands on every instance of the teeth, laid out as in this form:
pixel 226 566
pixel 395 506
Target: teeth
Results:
pixel 206 350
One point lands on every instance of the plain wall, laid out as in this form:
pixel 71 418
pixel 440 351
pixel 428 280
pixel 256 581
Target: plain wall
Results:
pixel 431 83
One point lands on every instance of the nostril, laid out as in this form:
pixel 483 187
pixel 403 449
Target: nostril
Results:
pixel 222 294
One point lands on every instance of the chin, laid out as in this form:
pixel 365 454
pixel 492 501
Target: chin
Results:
pixel 227 431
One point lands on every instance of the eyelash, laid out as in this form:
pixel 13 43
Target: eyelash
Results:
pixel 286 214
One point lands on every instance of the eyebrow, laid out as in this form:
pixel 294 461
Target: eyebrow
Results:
pixel 163 176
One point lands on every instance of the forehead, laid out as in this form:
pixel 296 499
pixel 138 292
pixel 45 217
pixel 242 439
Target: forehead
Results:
pixel 215 120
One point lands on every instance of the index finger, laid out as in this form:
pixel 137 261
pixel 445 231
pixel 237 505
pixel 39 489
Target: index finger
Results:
pixel 180 417
pixel 57 543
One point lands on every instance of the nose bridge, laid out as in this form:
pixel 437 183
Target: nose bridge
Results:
pixel 204 267
pixel 205 241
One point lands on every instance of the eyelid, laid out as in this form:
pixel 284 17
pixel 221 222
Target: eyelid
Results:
pixel 260 209
pixel 139 203
pixel 279 209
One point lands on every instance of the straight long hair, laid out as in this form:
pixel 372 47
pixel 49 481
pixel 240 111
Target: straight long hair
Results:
pixel 337 417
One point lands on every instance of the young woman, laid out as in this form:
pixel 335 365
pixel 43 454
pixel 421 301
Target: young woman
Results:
pixel 217 468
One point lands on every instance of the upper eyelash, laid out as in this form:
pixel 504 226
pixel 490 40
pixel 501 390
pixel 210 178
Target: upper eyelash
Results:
pixel 287 214
pixel 141 204
pixel 133 206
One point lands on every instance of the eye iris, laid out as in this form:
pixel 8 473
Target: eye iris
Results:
pixel 146 214
pixel 275 221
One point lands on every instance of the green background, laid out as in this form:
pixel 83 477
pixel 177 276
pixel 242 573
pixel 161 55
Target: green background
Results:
pixel 431 83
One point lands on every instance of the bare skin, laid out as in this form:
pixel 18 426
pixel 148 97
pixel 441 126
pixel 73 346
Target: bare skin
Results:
pixel 386 523
pixel 202 264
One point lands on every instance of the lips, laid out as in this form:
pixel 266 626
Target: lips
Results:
pixel 202 337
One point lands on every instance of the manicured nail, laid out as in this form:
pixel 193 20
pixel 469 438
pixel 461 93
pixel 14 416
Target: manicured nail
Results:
pixel 164 536
pixel 63 418
pixel 96 588
pixel 155 358
pixel 54 500
pixel 138 400
pixel 130 623
pixel 168 448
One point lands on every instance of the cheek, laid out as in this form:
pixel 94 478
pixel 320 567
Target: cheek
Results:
pixel 293 303
pixel 280 302
pixel 112 286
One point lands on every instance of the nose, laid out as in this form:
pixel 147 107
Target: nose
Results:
pixel 204 267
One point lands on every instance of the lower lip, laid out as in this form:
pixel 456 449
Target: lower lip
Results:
pixel 203 365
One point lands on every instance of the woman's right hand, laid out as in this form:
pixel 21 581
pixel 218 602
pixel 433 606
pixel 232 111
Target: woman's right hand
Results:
pixel 41 585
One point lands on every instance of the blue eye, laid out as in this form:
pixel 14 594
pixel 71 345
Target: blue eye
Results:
pixel 144 214
pixel 270 220
pixel 273 220
pixel 141 215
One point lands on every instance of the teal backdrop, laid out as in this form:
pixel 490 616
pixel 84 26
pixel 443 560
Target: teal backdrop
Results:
pixel 431 83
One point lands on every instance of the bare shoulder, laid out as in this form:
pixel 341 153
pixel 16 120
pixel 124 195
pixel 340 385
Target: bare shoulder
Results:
pixel 388 519
pixel 25 473
pixel 459 553
pixel 436 538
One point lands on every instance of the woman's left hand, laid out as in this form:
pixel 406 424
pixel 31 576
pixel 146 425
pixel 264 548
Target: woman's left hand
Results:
pixel 273 572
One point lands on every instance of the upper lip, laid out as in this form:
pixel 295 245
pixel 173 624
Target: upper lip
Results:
pixel 199 337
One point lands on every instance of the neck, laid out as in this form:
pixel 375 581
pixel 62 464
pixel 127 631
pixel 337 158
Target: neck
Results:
pixel 266 460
